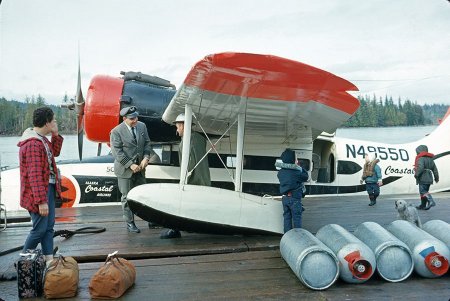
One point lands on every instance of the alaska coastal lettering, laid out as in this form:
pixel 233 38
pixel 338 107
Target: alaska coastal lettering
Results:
pixel 398 171
pixel 99 191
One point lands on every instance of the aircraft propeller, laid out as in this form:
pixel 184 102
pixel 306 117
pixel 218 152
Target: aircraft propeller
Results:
pixel 79 109
pixel 78 106
pixel 99 149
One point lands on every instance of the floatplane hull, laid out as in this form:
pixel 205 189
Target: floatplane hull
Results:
pixel 206 209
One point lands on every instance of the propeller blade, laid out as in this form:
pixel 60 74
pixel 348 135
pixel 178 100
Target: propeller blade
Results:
pixel 80 145
pixel 99 149
pixel 79 107
pixel 79 98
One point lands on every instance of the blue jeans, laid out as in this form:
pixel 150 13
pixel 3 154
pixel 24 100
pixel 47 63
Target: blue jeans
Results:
pixel 424 188
pixel 373 189
pixel 42 231
pixel 292 212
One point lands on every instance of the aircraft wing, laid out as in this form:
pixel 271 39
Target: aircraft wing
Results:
pixel 283 100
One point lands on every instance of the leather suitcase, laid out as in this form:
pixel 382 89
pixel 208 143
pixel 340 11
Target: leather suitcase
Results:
pixel 61 278
pixel 30 272
pixel 113 278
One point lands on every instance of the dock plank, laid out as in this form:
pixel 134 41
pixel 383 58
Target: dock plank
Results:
pixel 243 276
pixel 223 267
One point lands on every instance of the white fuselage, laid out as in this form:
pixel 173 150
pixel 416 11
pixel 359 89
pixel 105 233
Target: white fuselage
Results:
pixel 334 166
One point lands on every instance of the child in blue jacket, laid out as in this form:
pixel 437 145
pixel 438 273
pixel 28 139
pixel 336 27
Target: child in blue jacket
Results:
pixel 291 187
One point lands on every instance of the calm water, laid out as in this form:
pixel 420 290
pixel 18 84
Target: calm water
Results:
pixel 9 149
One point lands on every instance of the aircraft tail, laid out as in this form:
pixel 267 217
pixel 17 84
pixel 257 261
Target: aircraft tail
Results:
pixel 440 133
pixel 445 116
pixel 438 144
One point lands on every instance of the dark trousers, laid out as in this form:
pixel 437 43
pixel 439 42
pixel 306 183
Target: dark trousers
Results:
pixel 373 190
pixel 42 231
pixel 125 185
pixel 424 192
pixel 292 212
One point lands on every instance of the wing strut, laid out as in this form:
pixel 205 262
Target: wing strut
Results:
pixel 186 144
pixel 185 173
pixel 239 152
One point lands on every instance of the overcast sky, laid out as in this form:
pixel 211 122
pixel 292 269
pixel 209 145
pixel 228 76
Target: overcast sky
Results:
pixel 394 47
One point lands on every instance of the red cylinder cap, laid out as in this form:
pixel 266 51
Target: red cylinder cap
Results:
pixel 358 266
pixel 436 263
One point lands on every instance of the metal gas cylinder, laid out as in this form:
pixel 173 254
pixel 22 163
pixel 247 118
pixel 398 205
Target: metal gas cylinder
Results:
pixel 394 259
pixel 357 261
pixel 311 261
pixel 439 229
pixel 430 255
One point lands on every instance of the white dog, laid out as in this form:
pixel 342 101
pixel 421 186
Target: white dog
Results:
pixel 408 212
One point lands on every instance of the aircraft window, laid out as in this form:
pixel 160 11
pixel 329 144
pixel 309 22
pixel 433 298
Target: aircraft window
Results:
pixel 304 163
pixel 163 154
pixel 347 167
pixel 250 162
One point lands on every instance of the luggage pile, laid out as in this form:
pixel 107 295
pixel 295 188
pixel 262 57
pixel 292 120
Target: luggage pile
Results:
pixel 60 279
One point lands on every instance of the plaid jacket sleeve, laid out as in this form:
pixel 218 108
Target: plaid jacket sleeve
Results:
pixel 56 144
pixel 37 171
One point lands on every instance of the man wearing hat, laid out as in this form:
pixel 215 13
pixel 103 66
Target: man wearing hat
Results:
pixel 130 146
pixel 200 175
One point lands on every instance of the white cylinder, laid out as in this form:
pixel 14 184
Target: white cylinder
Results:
pixel 311 261
pixel 357 260
pixel 430 255
pixel 394 259
pixel 439 229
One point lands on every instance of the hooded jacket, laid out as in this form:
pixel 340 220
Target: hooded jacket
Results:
pixel 291 180
pixel 371 171
pixel 424 166
pixel 200 175
pixel 35 168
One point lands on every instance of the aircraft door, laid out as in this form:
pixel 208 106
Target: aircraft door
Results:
pixel 324 161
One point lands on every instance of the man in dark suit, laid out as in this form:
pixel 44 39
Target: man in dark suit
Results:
pixel 130 146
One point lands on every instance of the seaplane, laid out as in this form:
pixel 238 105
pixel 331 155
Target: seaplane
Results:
pixel 250 107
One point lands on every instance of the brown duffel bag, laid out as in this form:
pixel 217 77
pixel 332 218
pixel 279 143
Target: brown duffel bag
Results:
pixel 113 278
pixel 61 278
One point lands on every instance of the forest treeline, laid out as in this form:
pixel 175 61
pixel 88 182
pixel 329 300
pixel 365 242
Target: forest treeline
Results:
pixel 378 112
pixel 16 116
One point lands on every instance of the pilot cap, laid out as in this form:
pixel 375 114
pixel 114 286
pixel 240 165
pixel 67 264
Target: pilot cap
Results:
pixel 129 112
pixel 181 118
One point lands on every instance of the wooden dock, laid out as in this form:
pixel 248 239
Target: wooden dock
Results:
pixel 219 267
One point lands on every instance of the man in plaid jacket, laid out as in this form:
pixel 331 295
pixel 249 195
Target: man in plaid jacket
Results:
pixel 39 179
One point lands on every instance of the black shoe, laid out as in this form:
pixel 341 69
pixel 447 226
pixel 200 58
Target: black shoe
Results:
pixel 132 228
pixel 170 233
pixel 420 207
pixel 430 204
pixel 372 203
pixel 152 225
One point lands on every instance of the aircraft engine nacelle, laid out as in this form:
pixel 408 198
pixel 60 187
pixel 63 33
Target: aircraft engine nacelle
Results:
pixel 108 95
pixel 101 111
